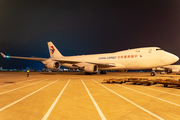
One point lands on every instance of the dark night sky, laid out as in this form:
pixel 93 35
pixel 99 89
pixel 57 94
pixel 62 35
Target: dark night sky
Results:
pixel 79 27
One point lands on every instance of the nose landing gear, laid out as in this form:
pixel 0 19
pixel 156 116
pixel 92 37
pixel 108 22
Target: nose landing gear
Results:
pixel 153 73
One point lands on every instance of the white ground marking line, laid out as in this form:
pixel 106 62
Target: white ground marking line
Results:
pixel 27 96
pixel 160 91
pixel 150 96
pixel 54 103
pixel 21 87
pixel 131 102
pixel 18 83
pixel 95 104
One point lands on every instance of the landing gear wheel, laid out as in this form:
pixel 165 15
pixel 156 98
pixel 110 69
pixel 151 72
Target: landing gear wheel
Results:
pixel 121 82
pixel 87 73
pixel 153 74
pixel 148 84
pixel 165 85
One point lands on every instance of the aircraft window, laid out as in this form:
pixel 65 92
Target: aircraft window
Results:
pixel 158 49
pixel 137 50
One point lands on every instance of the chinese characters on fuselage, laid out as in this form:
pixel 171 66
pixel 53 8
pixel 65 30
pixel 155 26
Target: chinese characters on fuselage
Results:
pixel 120 57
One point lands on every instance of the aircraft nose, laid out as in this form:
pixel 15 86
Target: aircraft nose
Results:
pixel 176 58
pixel 173 58
pixel 169 58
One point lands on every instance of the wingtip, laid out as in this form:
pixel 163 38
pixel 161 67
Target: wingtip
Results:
pixel 3 55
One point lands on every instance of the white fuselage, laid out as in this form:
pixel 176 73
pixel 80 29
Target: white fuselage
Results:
pixel 132 59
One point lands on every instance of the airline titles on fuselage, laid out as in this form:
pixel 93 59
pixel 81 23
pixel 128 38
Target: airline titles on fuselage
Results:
pixel 119 57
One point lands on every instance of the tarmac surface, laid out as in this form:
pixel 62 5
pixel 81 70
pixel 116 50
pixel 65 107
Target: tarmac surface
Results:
pixel 75 96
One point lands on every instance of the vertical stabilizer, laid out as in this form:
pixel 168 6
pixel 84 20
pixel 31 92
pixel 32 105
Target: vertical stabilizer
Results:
pixel 53 51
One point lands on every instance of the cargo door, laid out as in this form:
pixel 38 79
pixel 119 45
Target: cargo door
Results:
pixel 150 52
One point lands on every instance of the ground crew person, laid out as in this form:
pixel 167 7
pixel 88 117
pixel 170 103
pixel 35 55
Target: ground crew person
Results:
pixel 27 73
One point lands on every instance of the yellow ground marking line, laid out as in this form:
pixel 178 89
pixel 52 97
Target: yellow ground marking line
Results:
pixel 54 103
pixel 130 102
pixel 27 96
pixel 95 104
pixel 21 87
pixel 150 96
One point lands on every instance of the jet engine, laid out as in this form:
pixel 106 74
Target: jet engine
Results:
pixel 172 70
pixel 175 70
pixel 53 65
pixel 90 68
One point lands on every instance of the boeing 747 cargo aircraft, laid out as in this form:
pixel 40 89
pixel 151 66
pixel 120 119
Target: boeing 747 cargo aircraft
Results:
pixel 131 59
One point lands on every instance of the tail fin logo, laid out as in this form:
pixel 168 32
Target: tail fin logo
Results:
pixel 52 49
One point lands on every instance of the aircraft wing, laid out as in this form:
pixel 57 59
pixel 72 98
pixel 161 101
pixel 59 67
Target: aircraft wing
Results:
pixel 63 60
pixel 27 58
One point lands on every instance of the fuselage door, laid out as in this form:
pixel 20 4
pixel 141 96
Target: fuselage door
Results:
pixel 150 50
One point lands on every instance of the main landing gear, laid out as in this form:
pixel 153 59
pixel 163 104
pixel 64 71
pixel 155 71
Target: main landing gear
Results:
pixel 153 73
pixel 87 73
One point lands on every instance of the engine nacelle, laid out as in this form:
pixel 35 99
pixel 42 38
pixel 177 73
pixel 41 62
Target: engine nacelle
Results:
pixel 160 69
pixel 53 65
pixel 175 70
pixel 90 68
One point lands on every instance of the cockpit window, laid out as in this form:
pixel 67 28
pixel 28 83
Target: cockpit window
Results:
pixel 158 49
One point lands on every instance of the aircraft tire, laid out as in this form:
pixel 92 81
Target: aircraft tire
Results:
pixel 87 73
pixel 148 84
pixel 120 82
pixel 153 74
